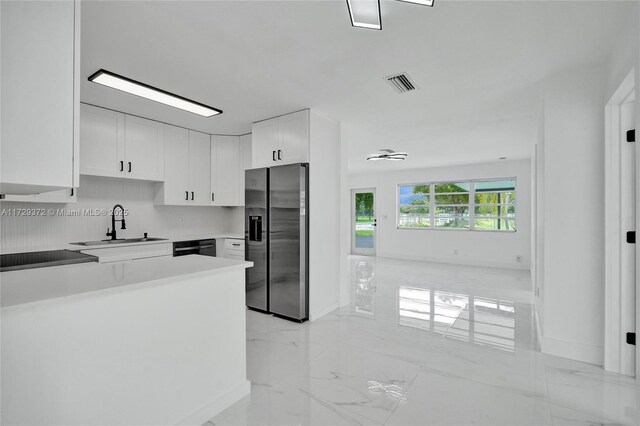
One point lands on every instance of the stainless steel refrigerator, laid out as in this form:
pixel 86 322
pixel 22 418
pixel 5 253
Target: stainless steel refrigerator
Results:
pixel 277 240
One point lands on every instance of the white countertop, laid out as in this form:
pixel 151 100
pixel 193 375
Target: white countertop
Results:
pixel 57 282
pixel 75 247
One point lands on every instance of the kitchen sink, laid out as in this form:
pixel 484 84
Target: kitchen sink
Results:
pixel 118 241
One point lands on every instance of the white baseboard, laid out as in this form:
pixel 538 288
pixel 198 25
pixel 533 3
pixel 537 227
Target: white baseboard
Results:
pixel 457 260
pixel 573 350
pixel 218 405
pixel 317 315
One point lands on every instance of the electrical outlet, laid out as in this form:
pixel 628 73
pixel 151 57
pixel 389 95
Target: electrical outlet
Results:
pixel 518 258
pixel 455 251
pixel 180 219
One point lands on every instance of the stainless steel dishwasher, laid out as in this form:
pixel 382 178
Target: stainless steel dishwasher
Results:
pixel 201 247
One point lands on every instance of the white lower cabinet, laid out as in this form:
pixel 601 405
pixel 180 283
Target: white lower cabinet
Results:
pixel 227 171
pixel 187 168
pixel 231 248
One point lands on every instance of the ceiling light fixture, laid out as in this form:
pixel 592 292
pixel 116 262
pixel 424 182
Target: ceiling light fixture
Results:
pixel 422 2
pixel 365 14
pixel 115 81
pixel 387 154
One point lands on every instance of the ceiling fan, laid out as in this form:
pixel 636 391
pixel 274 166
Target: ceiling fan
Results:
pixel 387 154
pixel 366 13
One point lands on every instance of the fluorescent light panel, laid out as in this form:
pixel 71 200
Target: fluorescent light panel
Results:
pixel 115 81
pixel 365 14
pixel 422 2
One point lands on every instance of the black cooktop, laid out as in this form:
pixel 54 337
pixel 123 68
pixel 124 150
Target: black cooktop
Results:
pixel 41 259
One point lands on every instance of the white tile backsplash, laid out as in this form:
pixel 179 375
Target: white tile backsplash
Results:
pixel 104 193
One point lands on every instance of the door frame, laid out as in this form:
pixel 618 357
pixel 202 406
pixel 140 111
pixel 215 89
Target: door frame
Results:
pixel 354 250
pixel 615 293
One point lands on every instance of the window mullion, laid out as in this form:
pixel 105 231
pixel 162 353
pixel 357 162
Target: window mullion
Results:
pixel 472 206
pixel 432 205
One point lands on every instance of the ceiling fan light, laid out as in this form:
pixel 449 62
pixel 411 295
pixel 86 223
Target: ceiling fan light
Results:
pixel 365 14
pixel 422 2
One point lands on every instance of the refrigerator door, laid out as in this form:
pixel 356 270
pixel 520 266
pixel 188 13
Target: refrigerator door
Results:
pixel 256 241
pixel 288 230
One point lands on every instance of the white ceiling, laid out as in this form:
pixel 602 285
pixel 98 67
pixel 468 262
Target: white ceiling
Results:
pixel 477 64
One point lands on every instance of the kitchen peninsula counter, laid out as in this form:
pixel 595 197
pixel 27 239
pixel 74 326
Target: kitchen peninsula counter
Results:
pixel 151 341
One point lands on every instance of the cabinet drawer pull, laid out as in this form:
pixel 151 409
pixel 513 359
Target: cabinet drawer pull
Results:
pixel 186 195
pixel 129 166
pixel 122 166
pixel 274 155
pixel 191 195
pixel 279 152
pixel 236 244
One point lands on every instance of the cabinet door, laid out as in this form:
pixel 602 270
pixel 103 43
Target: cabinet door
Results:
pixel 228 165
pixel 245 149
pixel 264 143
pixel 199 168
pixel 101 142
pixel 293 138
pixel 176 175
pixel 38 99
pixel 144 153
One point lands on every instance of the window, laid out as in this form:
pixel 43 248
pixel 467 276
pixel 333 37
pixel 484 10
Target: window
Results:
pixel 477 205
pixel 495 205
pixel 452 205
pixel 414 206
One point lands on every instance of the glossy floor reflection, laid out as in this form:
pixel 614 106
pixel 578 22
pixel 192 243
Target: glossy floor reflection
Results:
pixel 420 343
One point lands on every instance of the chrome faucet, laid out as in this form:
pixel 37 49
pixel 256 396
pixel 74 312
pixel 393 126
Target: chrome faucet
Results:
pixel 112 234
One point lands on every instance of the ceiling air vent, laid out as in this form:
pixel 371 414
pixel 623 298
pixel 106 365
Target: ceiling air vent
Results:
pixel 401 83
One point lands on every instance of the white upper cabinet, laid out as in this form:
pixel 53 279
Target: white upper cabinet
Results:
pixel 187 168
pixel 281 140
pixel 114 144
pixel 175 190
pixel 101 142
pixel 294 138
pixel 61 196
pixel 264 143
pixel 144 151
pixel 40 56
pixel 227 171
pixel 199 168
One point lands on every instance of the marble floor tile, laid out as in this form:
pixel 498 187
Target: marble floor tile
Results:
pixel 417 343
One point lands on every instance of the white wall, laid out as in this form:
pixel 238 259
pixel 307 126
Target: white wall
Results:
pixel 104 193
pixel 570 201
pixel 324 201
pixel 496 249
pixel 573 214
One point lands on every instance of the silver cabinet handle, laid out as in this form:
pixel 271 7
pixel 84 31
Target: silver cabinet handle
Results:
pixel 236 244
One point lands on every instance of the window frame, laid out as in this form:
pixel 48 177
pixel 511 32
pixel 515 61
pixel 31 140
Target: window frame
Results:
pixel 471 206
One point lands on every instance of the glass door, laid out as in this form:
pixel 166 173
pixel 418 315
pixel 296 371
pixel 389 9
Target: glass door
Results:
pixel 363 234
